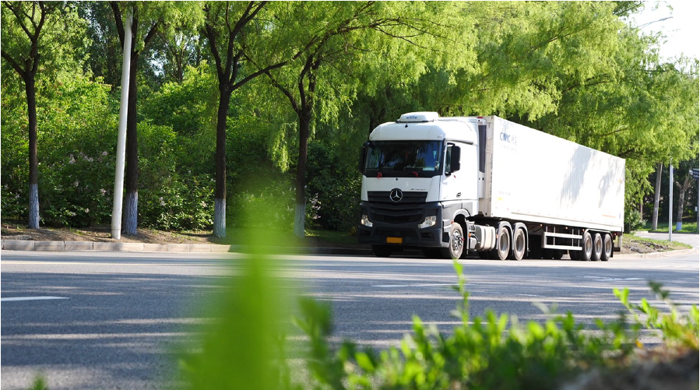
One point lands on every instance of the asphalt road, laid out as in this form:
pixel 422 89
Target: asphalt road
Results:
pixel 114 320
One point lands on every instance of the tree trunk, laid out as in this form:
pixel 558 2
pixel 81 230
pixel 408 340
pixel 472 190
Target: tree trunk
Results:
pixel 131 179
pixel 33 155
pixel 220 157
pixel 300 204
pixel 681 202
pixel 657 195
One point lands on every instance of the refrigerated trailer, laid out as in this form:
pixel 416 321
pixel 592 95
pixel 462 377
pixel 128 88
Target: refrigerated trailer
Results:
pixel 454 186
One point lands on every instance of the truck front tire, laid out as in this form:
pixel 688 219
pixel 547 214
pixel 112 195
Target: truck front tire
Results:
pixel 456 242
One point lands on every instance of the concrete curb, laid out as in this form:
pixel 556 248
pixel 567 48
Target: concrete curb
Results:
pixel 66 246
pixel 69 246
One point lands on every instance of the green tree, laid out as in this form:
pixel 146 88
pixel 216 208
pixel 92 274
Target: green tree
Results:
pixel 233 31
pixel 36 36
pixel 149 19
pixel 346 37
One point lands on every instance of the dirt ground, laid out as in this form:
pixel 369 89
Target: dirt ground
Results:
pixel 103 234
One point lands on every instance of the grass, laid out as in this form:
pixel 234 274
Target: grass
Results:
pixel 687 227
pixel 629 240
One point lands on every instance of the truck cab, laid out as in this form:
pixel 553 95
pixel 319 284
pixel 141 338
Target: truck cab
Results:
pixel 420 173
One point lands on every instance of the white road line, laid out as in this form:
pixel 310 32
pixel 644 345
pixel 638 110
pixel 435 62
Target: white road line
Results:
pixel 414 285
pixel 29 299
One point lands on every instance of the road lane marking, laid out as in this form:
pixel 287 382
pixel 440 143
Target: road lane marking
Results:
pixel 29 299
pixel 414 285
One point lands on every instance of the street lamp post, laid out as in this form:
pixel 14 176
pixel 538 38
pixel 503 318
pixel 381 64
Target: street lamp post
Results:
pixel 670 200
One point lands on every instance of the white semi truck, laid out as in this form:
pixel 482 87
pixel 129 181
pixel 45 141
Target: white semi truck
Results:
pixel 454 186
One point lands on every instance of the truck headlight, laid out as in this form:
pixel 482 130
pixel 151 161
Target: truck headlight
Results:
pixel 429 221
pixel 364 221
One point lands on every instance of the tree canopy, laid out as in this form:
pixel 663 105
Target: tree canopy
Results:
pixel 233 93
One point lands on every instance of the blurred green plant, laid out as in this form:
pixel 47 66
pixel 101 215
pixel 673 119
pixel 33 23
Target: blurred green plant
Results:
pixel 483 352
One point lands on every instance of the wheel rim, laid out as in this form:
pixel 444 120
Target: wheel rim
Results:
pixel 457 243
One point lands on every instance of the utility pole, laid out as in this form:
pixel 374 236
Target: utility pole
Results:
pixel 121 138
pixel 694 172
pixel 670 200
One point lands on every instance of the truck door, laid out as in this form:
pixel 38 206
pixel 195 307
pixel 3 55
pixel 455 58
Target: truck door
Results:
pixel 459 183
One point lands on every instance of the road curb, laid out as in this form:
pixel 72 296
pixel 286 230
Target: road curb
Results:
pixel 652 255
pixel 69 246
pixel 66 246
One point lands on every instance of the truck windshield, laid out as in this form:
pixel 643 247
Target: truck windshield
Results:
pixel 404 158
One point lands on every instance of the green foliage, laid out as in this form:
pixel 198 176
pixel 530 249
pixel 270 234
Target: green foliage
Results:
pixel 39 383
pixel 633 220
pixel 243 346
pixel 332 186
pixel 678 331
pixel 483 352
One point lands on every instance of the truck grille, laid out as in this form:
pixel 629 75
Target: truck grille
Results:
pixel 408 197
pixel 382 209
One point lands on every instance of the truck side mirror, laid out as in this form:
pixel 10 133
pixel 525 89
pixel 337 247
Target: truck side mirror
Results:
pixel 454 158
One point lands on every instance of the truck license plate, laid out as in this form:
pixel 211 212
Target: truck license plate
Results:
pixel 394 240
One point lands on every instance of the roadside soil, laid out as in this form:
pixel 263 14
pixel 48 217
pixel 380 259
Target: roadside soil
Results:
pixel 102 233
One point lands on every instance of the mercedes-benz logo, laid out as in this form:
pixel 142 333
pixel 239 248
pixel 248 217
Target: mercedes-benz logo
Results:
pixel 396 195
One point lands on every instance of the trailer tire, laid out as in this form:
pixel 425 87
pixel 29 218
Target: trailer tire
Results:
pixel 503 241
pixel 597 254
pixel 456 247
pixel 586 247
pixel 519 245
pixel 607 247
pixel 573 255
pixel 382 250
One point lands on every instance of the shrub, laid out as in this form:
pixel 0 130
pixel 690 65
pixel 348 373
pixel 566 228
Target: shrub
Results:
pixel 489 352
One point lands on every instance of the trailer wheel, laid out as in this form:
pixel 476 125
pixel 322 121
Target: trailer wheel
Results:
pixel 456 242
pixel 502 249
pixel 587 247
pixel 573 255
pixel 519 245
pixel 597 254
pixel 607 247
pixel 381 250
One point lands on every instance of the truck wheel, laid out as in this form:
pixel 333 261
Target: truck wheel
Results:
pixel 381 250
pixel 502 249
pixel 586 247
pixel 597 247
pixel 573 255
pixel 456 242
pixel 607 247
pixel 519 245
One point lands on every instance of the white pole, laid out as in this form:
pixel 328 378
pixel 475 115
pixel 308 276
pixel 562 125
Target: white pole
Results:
pixel 121 138
pixel 670 200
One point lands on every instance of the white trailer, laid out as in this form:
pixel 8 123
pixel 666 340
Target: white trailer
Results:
pixel 453 186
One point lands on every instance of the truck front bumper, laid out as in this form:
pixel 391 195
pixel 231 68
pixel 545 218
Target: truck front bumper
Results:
pixel 402 234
